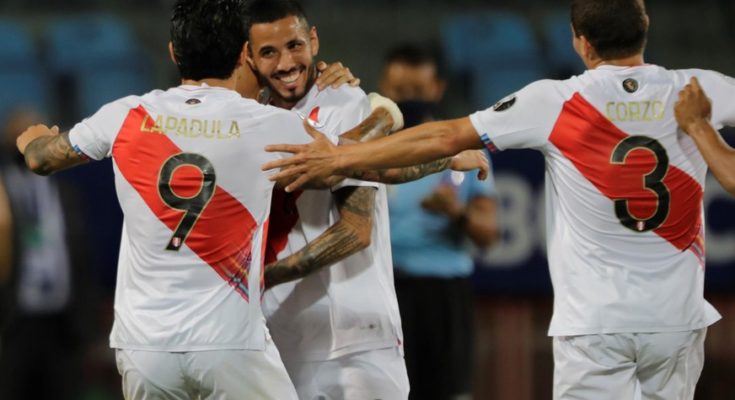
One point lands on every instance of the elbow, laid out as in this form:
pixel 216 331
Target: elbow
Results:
pixel 361 233
pixel 364 238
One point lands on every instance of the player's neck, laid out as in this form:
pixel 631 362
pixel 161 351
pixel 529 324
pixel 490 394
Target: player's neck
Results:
pixel 229 83
pixel 632 61
pixel 283 103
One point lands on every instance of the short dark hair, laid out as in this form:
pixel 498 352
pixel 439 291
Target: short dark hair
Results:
pixel 267 11
pixel 416 55
pixel 615 28
pixel 207 37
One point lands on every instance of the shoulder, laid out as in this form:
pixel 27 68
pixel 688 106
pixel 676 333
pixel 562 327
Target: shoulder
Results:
pixel 339 109
pixel 532 96
pixel 344 99
pixel 548 90
pixel 342 94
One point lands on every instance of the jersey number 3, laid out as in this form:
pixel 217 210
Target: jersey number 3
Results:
pixel 652 181
pixel 192 206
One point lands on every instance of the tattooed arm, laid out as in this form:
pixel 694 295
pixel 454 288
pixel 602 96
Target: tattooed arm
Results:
pixel 467 160
pixel 379 123
pixel 46 150
pixel 347 236
pixel 403 175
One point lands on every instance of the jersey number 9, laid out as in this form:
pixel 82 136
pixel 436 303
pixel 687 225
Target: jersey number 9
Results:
pixel 192 206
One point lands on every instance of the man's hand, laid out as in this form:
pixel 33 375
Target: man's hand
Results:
pixel 693 107
pixel 310 162
pixel 334 75
pixel 32 133
pixel 443 201
pixel 472 159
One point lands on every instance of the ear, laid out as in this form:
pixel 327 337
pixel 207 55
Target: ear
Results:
pixel 249 55
pixel 243 55
pixel 314 41
pixel 171 52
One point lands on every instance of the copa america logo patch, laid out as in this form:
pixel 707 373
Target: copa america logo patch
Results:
pixel 80 152
pixel 489 143
pixel 505 103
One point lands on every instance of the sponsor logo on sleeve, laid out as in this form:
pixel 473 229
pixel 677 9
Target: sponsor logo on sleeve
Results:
pixel 505 103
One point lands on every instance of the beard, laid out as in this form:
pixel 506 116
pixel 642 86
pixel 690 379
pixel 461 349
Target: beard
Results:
pixel 296 95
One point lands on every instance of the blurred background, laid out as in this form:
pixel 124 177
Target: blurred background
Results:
pixel 60 60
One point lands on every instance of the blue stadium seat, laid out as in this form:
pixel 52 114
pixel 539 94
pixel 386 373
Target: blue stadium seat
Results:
pixel 16 46
pixel 563 60
pixel 95 59
pixel 491 85
pixel 22 88
pixel 97 88
pixel 86 43
pixel 488 40
pixel 21 77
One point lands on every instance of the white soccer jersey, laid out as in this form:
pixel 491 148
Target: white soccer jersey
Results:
pixel 623 194
pixel 187 174
pixel 350 306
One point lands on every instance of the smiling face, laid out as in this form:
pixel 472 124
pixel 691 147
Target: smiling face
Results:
pixel 282 52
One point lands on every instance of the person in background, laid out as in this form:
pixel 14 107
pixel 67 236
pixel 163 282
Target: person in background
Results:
pixel 430 220
pixel 46 288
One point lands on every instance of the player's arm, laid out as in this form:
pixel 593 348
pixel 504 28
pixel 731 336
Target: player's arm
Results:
pixel 420 144
pixel 46 150
pixel 6 227
pixel 384 119
pixel 467 160
pixel 347 236
pixel 692 111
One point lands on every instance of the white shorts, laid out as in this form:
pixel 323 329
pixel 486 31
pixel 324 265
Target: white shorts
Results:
pixel 367 375
pixel 220 374
pixel 621 366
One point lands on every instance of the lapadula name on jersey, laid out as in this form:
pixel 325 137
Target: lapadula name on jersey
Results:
pixel 191 127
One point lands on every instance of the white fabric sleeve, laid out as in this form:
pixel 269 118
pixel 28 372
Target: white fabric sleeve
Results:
pixel 95 135
pixel 522 120
pixel 721 91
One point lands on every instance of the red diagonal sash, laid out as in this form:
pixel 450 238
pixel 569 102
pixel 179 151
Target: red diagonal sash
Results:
pixel 587 139
pixel 222 236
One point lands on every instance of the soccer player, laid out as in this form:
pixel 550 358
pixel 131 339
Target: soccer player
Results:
pixel 624 203
pixel 693 111
pixel 188 322
pixel 338 330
